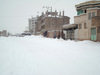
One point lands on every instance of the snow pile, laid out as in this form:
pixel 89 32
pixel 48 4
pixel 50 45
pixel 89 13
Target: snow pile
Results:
pixel 36 55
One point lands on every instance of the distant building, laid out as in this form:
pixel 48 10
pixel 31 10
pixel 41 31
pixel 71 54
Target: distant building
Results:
pixel 87 20
pixel 4 33
pixel 52 23
pixel 32 25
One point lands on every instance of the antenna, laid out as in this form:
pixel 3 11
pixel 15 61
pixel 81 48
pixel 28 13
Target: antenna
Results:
pixel 47 8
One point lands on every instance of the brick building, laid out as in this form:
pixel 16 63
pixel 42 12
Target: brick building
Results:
pixel 52 22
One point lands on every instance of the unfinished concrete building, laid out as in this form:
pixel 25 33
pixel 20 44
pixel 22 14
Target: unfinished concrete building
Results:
pixel 52 22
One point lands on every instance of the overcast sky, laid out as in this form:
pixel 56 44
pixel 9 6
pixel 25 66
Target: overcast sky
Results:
pixel 14 14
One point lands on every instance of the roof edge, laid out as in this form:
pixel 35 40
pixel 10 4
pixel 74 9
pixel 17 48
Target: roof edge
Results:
pixel 87 2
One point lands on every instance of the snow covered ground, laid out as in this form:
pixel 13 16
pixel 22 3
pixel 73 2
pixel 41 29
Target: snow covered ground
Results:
pixel 35 55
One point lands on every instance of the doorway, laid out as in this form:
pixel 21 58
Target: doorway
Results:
pixel 93 34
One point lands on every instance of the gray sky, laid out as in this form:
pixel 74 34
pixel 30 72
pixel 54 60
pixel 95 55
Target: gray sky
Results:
pixel 14 14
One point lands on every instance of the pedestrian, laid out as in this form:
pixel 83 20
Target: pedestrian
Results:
pixel 58 35
pixel 54 35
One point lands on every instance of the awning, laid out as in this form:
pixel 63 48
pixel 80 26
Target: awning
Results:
pixel 70 26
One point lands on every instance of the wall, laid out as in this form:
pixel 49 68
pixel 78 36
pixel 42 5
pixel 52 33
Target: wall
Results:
pixel 98 33
pixel 96 21
pixel 82 32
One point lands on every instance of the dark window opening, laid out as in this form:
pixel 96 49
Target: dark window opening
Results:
pixel 85 11
pixel 85 26
pixel 98 29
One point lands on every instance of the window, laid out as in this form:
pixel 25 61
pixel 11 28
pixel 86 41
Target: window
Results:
pixel 93 14
pixel 98 29
pixel 89 16
pixel 85 26
pixel 42 21
pixel 35 22
pixel 85 11
pixel 79 12
pixel 80 26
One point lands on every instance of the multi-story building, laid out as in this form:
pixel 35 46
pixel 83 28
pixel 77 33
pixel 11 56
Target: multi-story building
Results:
pixel 32 25
pixel 88 21
pixel 52 22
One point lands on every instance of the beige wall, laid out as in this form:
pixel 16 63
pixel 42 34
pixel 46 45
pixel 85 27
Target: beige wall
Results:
pixel 98 33
pixel 98 37
pixel 96 21
pixel 89 21
pixel 98 12
pixel 93 22
pixel 80 19
pixel 51 34
pixel 83 33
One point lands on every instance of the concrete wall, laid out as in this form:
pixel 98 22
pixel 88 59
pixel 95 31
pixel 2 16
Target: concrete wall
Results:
pixel 76 34
pixel 80 19
pixel 96 21
pixel 83 33
pixel 51 21
pixel 89 21
pixel 54 23
pixel 52 33
pixel 98 33
pixel 98 12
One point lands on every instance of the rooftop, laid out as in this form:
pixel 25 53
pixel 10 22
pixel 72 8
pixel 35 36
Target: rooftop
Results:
pixel 87 3
pixel 69 26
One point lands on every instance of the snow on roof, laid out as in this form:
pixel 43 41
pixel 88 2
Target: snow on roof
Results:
pixel 69 26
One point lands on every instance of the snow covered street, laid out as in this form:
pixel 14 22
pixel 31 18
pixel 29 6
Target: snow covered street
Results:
pixel 36 55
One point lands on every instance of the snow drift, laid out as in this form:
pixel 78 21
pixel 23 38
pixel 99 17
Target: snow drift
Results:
pixel 35 55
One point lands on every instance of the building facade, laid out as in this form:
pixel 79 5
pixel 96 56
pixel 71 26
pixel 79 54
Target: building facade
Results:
pixel 52 23
pixel 3 33
pixel 70 31
pixel 32 25
pixel 87 18
pixel 88 21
